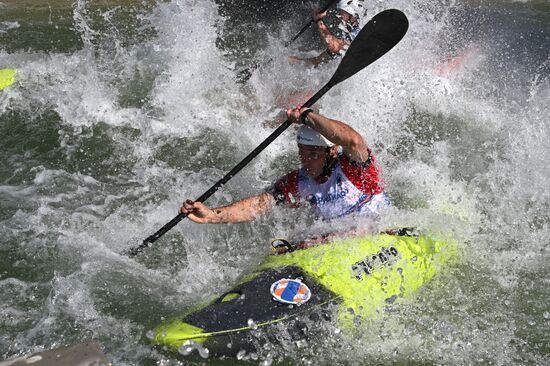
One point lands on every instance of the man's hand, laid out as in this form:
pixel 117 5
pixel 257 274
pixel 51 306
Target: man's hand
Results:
pixel 198 212
pixel 294 115
pixel 319 15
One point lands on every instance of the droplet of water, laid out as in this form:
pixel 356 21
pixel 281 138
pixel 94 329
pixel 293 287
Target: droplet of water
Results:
pixel 252 324
pixel 163 362
pixel 203 351
pixel 301 343
pixel 546 315
pixel 268 361
pixel 150 335
pixel 186 349
pixel 189 346
pixel 241 354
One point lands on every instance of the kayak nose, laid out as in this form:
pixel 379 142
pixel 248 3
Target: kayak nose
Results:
pixel 177 333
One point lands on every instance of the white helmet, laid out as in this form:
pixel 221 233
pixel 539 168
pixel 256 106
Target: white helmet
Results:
pixel 308 136
pixel 352 7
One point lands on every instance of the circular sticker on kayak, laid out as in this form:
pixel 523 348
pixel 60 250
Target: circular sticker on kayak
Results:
pixel 290 291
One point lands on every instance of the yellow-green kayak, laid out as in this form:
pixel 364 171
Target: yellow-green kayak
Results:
pixel 358 276
pixel 7 77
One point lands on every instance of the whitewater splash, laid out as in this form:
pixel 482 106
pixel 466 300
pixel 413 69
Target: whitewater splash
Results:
pixel 102 142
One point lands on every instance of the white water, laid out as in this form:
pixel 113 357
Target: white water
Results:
pixel 463 154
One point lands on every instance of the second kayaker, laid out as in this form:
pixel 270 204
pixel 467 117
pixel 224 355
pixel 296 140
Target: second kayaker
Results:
pixel 337 38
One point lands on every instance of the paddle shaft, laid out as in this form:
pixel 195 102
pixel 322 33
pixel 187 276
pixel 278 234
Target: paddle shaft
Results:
pixel 151 239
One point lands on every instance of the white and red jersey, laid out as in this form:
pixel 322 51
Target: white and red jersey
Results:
pixel 350 187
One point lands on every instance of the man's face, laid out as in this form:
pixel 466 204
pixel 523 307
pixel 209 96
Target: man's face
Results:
pixel 313 159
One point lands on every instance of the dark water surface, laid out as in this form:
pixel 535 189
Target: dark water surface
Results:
pixel 122 109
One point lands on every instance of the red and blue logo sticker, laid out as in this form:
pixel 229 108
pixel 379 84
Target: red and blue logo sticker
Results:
pixel 290 291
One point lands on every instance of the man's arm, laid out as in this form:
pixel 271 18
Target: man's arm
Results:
pixel 334 44
pixel 336 131
pixel 243 210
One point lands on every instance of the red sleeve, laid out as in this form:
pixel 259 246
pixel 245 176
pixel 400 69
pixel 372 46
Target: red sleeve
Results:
pixel 363 175
pixel 285 190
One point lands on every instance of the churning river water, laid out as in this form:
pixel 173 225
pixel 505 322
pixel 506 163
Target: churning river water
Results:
pixel 122 109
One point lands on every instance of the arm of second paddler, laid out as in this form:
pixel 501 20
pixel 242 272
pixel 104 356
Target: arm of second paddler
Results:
pixel 334 44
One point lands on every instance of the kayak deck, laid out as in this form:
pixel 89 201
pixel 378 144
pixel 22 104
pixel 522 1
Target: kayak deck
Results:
pixel 362 274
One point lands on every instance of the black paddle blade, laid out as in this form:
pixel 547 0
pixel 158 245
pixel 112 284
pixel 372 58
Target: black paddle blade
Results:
pixel 376 38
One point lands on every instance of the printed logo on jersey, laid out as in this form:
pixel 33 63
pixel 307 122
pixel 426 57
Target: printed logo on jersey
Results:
pixel 315 200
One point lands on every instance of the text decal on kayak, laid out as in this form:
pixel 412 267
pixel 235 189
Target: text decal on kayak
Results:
pixel 370 263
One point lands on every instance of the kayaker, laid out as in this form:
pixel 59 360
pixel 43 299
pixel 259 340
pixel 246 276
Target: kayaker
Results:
pixel 337 41
pixel 338 176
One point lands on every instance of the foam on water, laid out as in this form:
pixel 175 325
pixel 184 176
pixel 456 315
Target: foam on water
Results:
pixel 90 171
